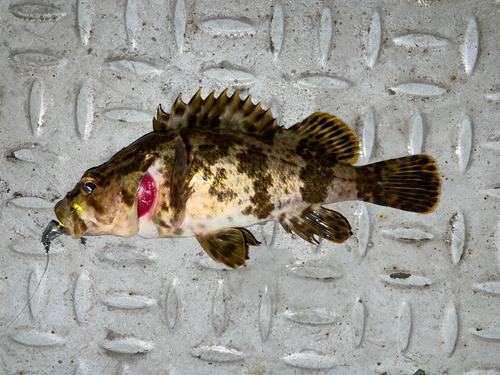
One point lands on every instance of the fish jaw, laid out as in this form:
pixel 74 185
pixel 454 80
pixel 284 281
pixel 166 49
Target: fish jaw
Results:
pixel 83 221
pixel 77 212
pixel 68 216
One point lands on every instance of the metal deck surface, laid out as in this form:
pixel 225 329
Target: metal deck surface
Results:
pixel 407 294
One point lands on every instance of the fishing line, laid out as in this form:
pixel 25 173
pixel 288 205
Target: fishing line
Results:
pixel 32 294
pixel 53 230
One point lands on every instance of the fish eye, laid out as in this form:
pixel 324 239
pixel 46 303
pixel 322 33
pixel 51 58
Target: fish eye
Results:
pixel 89 186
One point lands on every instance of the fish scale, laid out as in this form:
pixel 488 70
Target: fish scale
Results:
pixel 206 210
pixel 216 165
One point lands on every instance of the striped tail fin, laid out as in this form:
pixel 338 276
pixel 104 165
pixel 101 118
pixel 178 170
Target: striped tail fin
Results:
pixel 411 183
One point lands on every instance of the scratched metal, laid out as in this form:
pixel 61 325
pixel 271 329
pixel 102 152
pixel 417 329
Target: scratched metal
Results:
pixel 79 80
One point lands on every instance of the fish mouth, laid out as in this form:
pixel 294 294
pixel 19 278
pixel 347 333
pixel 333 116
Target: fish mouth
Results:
pixel 67 215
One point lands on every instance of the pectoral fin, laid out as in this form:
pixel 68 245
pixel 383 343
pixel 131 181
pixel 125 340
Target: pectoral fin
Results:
pixel 322 222
pixel 228 246
pixel 181 178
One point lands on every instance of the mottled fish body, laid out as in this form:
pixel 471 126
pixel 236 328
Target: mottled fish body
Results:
pixel 216 165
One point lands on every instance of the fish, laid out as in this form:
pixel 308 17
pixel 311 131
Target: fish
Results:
pixel 213 167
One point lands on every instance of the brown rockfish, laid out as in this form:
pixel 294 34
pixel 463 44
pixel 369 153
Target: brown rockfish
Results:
pixel 216 165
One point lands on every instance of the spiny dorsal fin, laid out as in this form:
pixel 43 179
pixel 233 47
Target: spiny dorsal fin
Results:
pixel 180 190
pixel 320 133
pixel 160 121
pixel 321 222
pixel 324 134
pixel 224 112
pixel 228 245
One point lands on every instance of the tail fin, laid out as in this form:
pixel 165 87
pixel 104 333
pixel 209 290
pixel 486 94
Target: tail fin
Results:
pixel 410 184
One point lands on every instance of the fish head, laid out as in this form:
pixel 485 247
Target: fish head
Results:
pixel 104 201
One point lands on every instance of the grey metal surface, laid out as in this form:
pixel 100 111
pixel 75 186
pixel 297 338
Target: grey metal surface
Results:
pixel 79 80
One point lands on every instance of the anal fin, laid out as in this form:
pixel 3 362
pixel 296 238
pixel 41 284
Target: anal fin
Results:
pixel 321 222
pixel 228 245
pixel 180 190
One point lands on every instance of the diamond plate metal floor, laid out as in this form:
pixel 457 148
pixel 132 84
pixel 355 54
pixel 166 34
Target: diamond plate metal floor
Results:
pixel 407 294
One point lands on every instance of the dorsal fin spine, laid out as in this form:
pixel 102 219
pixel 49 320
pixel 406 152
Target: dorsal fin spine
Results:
pixel 178 110
pixel 205 110
pixel 257 116
pixel 234 111
pixel 194 109
pixel 161 120
pixel 224 112
pixel 247 108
